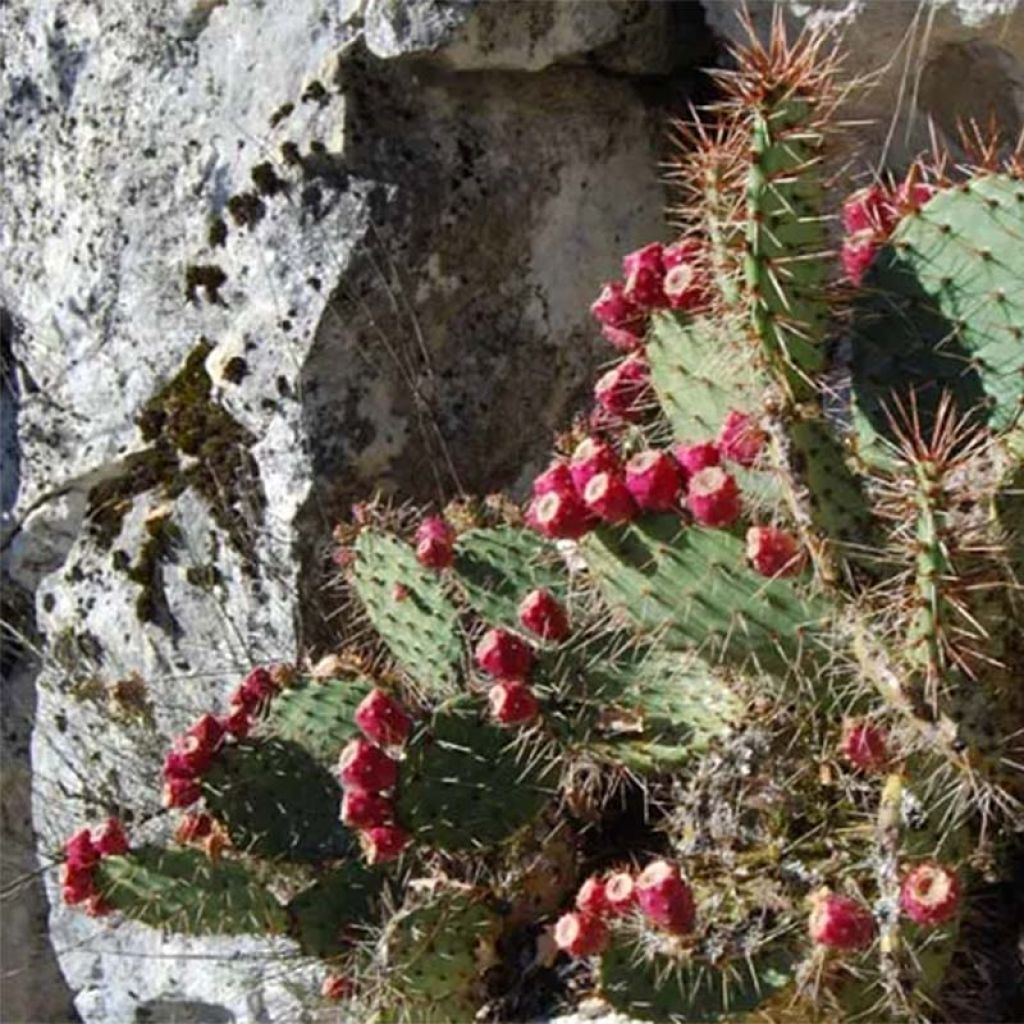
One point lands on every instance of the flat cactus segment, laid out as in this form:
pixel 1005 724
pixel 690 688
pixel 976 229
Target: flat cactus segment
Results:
pixel 692 588
pixel 944 310
pixel 462 785
pixel 420 627
pixel 498 567
pixel 184 891
pixel 318 715
pixel 700 370
pixel 276 801
pixel 328 916
pixel 693 990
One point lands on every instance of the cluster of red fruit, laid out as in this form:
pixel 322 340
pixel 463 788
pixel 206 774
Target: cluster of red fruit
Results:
pixel 193 752
pixel 869 217
pixel 82 853
pixel 659 892
pixel 369 776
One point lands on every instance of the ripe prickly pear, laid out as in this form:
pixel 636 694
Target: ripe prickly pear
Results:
pixel 740 439
pixel 713 497
pixel 238 723
pixel 366 767
pixel 622 338
pixel 77 884
pixel 623 390
pixel 557 477
pixel 383 843
pixel 591 898
pixel 868 210
pixel 382 719
pixel 434 540
pixel 654 481
pixel 199 744
pixel 177 766
pixel 360 809
pixel 685 284
pixel 665 899
pixel 180 792
pixel 856 255
pixel 619 892
pixel 257 687
pixel 839 922
pixel 692 458
pixel 930 894
pixel 644 274
pixel 580 934
pixel 773 552
pixel 80 853
pixel 608 497
pixel 112 841
pixel 612 309
pixel 512 702
pixel 540 613
pixel 864 745
pixel 503 655
pixel 560 515
pixel 592 456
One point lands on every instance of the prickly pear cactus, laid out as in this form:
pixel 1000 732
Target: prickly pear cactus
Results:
pixel 749 664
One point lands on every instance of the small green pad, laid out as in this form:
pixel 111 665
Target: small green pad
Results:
pixel 498 567
pixel 693 588
pixel 184 891
pixel 693 990
pixel 421 628
pixel 276 801
pixel 463 786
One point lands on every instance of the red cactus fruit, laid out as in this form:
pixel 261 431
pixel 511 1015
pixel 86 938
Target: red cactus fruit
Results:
pixel 654 481
pixel 608 497
pixel 864 745
pixel 914 196
pixel 112 841
pixel 665 899
pixel 80 853
pixel 869 210
pixel 512 702
pixel 360 809
pixel 257 687
pixel 685 284
pixel 580 934
pixel 177 766
pixel 383 843
pixel 560 515
pixel 199 744
pixel 692 458
pixel 612 309
pixel 644 274
pixel 624 389
pixel 773 552
pixel 540 613
pixel 435 528
pixel 839 922
pixel 238 723
pixel 336 987
pixel 856 255
pixel 619 892
pixel 930 894
pixel 624 339
pixel 180 792
pixel 591 898
pixel 503 655
pixel 382 719
pixel 713 497
pixel 77 884
pixel 434 540
pixel 592 456
pixel 366 767
pixel 193 827
pixel 557 477
pixel 740 440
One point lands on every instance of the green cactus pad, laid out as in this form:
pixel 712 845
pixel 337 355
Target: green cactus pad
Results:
pixel 498 567
pixel 692 588
pixel 942 310
pixel 421 630
pixel 318 715
pixel 184 891
pixel 691 990
pixel 329 915
pixel 276 801
pixel 463 786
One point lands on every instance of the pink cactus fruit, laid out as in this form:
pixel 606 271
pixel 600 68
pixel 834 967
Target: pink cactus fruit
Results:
pixel 591 899
pixel 192 828
pixel 238 723
pixel 654 481
pixel 560 515
pixel 257 688
pixel 685 284
pixel 864 745
pixel 336 987
pixel 713 497
pixel 665 899
pixel 856 255
pixel 541 614
pixel 622 338
pixel 360 809
pixel 180 792
pixel 503 655
pixel 556 478
pixel 740 439
pixel 512 702
pixel 773 552
pixel 112 841
pixel 199 744
pixel 624 389
pixel 592 456
pixel 434 543
pixel 839 922
pixel 382 719
pixel 644 274
pixel 913 195
pixel 869 210
pixel 77 884
pixel 613 309
pixel 367 767
pixel 608 497
pixel 692 458
pixel 620 892
pixel 177 766
pixel 383 843
pixel 930 894
pixel 580 934
pixel 80 853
